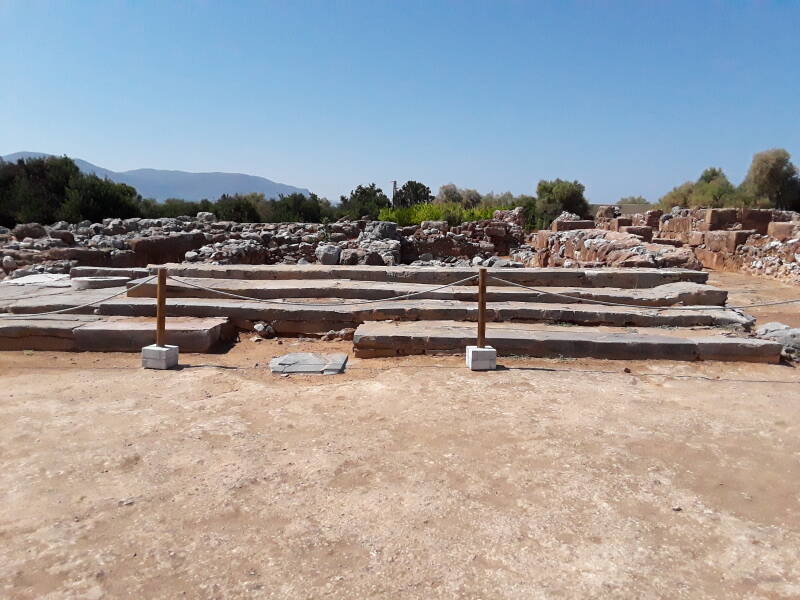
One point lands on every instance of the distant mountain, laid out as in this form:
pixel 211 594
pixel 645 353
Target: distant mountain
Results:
pixel 160 184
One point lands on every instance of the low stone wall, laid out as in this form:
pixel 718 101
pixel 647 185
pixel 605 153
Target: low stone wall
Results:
pixel 761 242
pixel 128 243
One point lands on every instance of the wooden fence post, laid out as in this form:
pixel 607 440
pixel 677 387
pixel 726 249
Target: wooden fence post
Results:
pixel 161 308
pixel 481 308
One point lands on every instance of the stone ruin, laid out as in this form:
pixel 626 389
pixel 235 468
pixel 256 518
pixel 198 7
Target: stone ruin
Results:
pixel 126 243
pixel 761 242
pixel 758 241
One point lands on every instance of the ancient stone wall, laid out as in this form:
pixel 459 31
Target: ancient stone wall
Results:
pixel 126 243
pixel 761 242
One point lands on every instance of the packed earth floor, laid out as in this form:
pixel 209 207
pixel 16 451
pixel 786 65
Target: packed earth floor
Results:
pixel 402 478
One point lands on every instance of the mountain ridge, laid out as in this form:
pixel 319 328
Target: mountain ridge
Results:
pixel 170 183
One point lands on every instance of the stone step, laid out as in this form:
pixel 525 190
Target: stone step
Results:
pixel 42 333
pixel 37 299
pixel 131 273
pixel 669 294
pixel 374 339
pixel 320 318
pixel 89 333
pixel 586 278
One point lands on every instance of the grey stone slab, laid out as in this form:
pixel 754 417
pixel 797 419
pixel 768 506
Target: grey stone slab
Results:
pixel 669 294
pixel 425 310
pixel 392 339
pixel 307 362
pixel 610 277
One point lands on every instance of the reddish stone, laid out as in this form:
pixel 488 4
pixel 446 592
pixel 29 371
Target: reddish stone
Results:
pixel 646 233
pixel 783 231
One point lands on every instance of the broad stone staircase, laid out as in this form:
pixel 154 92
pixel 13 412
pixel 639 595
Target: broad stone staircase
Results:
pixel 315 299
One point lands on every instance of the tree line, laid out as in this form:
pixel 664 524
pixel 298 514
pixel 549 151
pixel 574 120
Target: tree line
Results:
pixel 772 181
pixel 49 189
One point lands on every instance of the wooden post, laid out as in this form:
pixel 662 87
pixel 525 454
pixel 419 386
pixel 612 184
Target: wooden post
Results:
pixel 481 307
pixel 161 308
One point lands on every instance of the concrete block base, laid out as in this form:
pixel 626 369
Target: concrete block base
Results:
pixel 159 357
pixel 481 359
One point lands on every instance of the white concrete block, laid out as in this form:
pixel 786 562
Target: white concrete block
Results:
pixel 159 357
pixel 481 359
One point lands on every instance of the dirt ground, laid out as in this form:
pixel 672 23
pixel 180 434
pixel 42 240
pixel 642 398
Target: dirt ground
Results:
pixel 403 478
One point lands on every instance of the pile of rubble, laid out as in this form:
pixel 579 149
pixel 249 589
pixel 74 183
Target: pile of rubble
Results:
pixel 761 242
pixel 600 248
pixel 125 243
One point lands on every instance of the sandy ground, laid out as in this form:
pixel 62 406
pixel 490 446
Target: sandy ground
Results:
pixel 403 478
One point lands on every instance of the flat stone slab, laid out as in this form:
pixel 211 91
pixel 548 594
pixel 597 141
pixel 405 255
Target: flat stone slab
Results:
pixel 299 318
pixel 669 294
pixel 96 283
pixel 611 277
pixel 41 279
pixel 124 334
pixel 130 273
pixel 52 332
pixel 36 298
pixel 307 362
pixel 89 333
pixel 397 339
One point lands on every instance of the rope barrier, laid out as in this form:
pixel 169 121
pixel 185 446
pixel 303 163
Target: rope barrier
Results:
pixel 590 301
pixel 69 308
pixel 311 304
pixel 574 299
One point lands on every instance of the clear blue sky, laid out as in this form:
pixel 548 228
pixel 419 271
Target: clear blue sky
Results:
pixel 628 97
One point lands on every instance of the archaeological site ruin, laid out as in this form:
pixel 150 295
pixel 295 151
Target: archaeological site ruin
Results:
pixel 616 287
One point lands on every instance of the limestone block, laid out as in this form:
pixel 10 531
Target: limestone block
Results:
pixel 481 359
pixel 159 357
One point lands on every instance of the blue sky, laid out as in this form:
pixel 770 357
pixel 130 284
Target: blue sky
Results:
pixel 628 97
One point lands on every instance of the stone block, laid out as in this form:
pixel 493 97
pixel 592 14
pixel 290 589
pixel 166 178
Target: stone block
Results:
pixel 783 231
pixel 481 359
pixel 757 219
pixel 571 225
pixel 721 218
pixel 159 357
pixel 328 254
pixel 696 238
pixel 621 222
pixel 646 233
pixel 738 238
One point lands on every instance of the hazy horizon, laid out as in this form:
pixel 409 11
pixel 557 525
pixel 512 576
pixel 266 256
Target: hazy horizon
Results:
pixel 628 98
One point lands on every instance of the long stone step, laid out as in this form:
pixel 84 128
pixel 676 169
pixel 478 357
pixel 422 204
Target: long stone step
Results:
pixel 320 318
pixel 562 277
pixel 36 299
pixel 90 333
pixel 374 339
pixel 669 294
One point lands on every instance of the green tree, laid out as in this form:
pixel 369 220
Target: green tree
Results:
pixel 677 196
pixel 364 201
pixel 773 176
pixel 470 198
pixel 710 174
pixel 92 198
pixel 238 207
pixel 556 196
pixel 412 192
pixel 51 188
pixel 448 194
pixel 711 190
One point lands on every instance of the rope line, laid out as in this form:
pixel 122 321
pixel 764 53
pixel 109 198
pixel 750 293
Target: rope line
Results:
pixel 590 301
pixel 69 308
pixel 574 299
pixel 312 304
